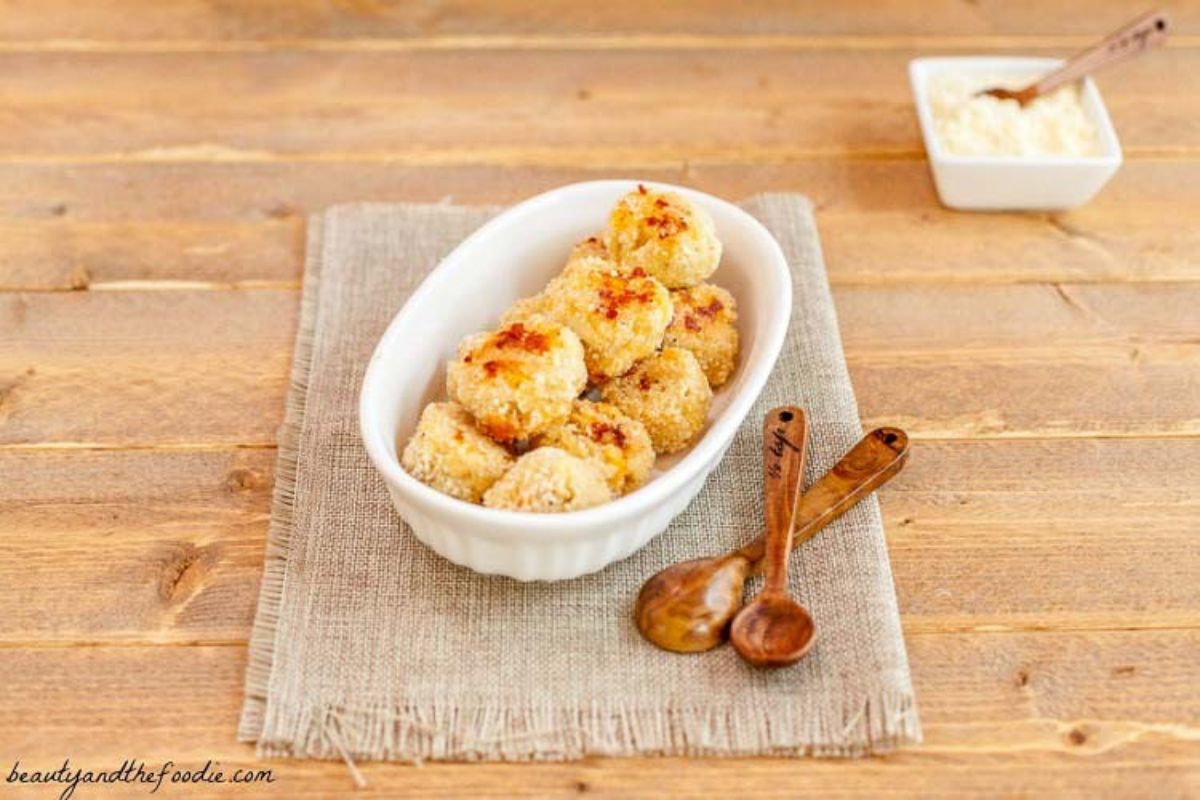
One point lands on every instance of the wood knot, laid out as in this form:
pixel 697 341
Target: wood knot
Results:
pixel 79 279
pixel 243 479
pixel 10 385
pixel 1021 678
pixel 184 571
pixel 1076 737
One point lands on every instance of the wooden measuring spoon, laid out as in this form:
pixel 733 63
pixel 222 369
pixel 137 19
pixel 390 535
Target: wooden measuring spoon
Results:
pixel 1131 39
pixel 774 630
pixel 686 608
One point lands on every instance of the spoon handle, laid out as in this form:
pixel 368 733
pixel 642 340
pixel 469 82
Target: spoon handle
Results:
pixel 872 462
pixel 785 439
pixel 1131 39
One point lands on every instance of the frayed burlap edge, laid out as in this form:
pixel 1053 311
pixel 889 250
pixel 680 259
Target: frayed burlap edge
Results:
pixel 279 533
pixel 499 732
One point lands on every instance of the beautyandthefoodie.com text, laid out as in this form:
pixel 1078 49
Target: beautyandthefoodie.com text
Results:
pixel 69 778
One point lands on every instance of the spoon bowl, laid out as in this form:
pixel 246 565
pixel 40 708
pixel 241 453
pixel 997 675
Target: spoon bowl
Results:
pixel 773 631
pixel 686 608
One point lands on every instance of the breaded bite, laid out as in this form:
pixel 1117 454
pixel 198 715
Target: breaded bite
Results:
pixel 665 235
pixel 450 454
pixel 704 323
pixel 547 480
pixel 620 317
pixel 599 431
pixel 667 393
pixel 519 380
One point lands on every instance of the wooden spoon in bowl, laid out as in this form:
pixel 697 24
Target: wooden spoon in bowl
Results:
pixel 775 630
pixel 1131 39
pixel 686 608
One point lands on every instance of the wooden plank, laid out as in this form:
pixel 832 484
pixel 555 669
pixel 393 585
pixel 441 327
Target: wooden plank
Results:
pixel 246 192
pixel 930 320
pixel 154 368
pixel 1072 714
pixel 132 545
pixel 1041 534
pixel 181 225
pixel 56 254
pixel 1020 361
pixel 1153 763
pixel 1149 394
pixel 186 368
pixel 513 107
pixel 127 20
pixel 162 546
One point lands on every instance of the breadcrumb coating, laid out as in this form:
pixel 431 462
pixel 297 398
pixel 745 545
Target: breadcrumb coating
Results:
pixel 665 235
pixel 548 480
pixel 668 393
pixel 450 454
pixel 620 317
pixel 600 432
pixel 520 379
pixel 704 323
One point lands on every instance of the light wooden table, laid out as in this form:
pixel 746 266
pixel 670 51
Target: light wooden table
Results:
pixel 157 161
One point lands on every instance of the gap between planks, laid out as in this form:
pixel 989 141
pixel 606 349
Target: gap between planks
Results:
pixel 562 157
pixel 912 630
pixel 132 643
pixel 170 285
pixel 219 447
pixel 616 41
pixel 195 286
pixel 182 447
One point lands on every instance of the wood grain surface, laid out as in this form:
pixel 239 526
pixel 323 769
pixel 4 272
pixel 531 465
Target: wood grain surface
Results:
pixel 157 162
pixel 518 107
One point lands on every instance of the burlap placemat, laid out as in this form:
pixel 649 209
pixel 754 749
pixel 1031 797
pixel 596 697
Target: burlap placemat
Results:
pixel 367 645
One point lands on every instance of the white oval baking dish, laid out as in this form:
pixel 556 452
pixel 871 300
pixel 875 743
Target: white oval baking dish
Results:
pixel 515 255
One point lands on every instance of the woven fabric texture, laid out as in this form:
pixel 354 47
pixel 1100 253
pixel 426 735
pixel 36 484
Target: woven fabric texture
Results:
pixel 367 645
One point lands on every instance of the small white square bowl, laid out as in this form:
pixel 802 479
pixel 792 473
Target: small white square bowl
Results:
pixel 1013 183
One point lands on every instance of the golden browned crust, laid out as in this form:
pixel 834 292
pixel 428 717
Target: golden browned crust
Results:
pixel 547 480
pixel 519 380
pixel 449 453
pixel 704 322
pixel 667 393
pixel 665 235
pixel 618 443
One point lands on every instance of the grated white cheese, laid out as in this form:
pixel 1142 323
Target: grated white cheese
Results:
pixel 980 125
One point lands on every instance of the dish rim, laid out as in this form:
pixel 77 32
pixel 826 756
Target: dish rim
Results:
pixel 585 522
